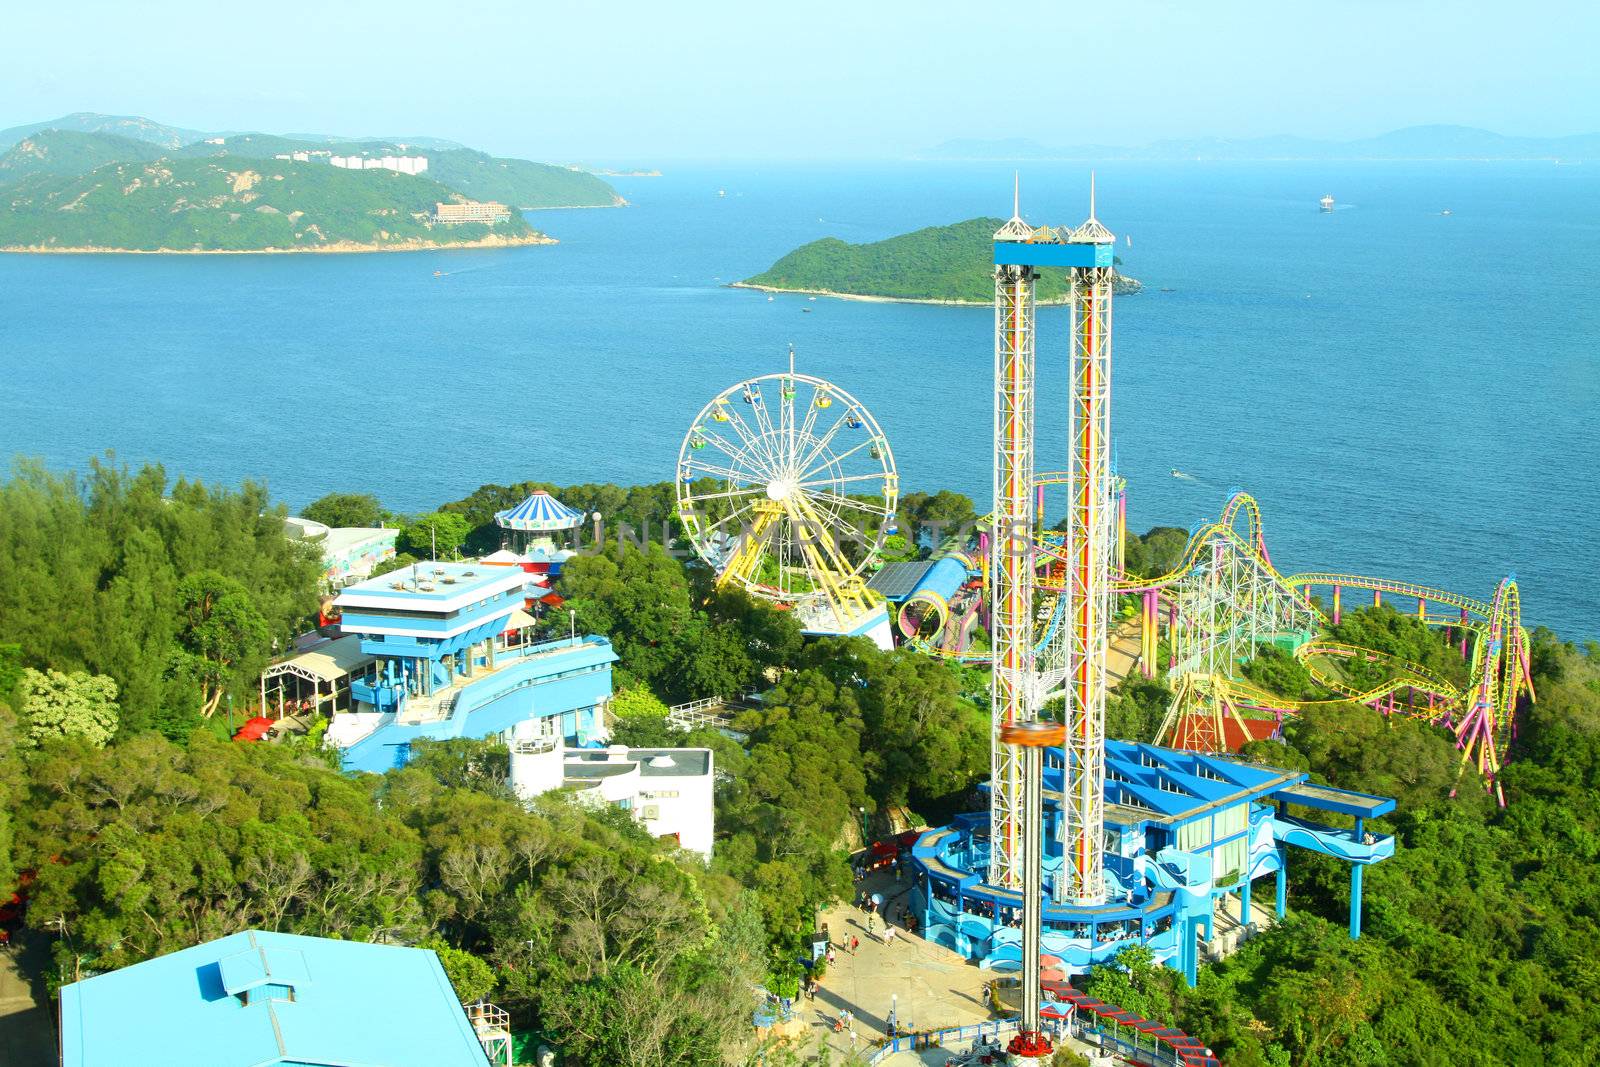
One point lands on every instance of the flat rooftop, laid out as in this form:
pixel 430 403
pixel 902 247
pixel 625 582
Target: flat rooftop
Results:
pixel 895 581
pixel 1327 798
pixel 431 587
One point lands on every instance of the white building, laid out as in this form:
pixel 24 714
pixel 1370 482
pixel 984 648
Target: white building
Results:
pixel 668 790
pixel 403 164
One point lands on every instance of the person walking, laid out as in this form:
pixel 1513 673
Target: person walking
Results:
pixel 855 943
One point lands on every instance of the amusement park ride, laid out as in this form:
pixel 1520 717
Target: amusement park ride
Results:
pixel 1052 598
pixel 787 488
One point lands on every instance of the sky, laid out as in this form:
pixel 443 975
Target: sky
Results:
pixel 637 83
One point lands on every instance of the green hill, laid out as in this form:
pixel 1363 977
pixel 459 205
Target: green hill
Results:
pixel 68 153
pixel 519 183
pixel 945 263
pixel 130 126
pixel 231 204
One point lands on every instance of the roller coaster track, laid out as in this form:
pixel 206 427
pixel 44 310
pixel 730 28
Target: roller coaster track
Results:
pixel 1267 604
pixel 1481 715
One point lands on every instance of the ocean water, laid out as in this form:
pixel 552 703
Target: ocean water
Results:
pixel 1407 393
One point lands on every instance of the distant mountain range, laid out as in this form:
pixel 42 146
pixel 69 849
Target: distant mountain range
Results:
pixel 89 182
pixel 156 133
pixel 1412 143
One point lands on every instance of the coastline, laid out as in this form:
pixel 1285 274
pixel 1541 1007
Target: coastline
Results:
pixel 870 299
pixel 334 248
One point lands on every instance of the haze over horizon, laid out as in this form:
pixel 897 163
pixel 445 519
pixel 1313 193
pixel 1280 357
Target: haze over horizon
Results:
pixel 639 83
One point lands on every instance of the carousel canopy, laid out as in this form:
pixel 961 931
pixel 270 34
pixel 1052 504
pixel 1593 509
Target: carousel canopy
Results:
pixel 539 513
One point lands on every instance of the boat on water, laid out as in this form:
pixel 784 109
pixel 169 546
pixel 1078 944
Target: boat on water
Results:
pixel 1326 203
pixel 1176 473
pixel 769 299
pixel 438 274
pixel 722 192
pixel 806 310
pixel 1446 211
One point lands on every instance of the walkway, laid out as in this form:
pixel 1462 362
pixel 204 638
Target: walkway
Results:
pixel 27 1036
pixel 1122 651
pixel 935 986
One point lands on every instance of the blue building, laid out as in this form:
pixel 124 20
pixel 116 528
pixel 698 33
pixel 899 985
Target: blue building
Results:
pixel 449 655
pixel 258 997
pixel 1183 830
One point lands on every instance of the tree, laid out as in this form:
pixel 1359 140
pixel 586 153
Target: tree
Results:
pixel 345 509
pixel 438 533
pixel 223 639
pixel 471 977
pixel 56 705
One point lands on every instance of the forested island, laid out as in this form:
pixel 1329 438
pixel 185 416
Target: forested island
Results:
pixel 938 265
pixel 128 185
pixel 135 611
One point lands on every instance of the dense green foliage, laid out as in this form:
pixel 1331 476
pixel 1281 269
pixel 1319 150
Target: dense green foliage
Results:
pixel 52 705
pixel 232 204
pixel 947 263
pixel 1481 935
pixel 64 153
pixel 345 509
pixel 176 591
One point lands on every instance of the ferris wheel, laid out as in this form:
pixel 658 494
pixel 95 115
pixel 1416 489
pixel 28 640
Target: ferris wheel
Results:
pixel 787 488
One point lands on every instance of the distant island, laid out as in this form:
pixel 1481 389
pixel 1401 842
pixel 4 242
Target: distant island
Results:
pixel 1414 143
pixel 120 184
pixel 939 265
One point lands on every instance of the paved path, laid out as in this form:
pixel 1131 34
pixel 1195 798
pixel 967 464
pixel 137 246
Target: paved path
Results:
pixel 27 1037
pixel 1122 651
pixel 934 986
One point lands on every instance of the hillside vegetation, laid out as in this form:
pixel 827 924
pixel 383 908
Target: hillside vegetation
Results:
pixel 133 127
pixel 946 263
pixel 67 153
pixel 147 187
pixel 519 183
pixel 232 205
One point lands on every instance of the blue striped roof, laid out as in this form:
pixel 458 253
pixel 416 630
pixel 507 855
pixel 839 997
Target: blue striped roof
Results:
pixel 541 511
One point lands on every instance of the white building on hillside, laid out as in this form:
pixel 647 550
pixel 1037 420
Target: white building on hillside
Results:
pixel 403 164
pixel 668 790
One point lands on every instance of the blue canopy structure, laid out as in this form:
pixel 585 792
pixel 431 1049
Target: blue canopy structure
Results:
pixel 540 513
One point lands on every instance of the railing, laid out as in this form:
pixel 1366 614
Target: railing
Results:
pixel 487 1018
pixel 536 746
pixel 492 1025
pixel 715 712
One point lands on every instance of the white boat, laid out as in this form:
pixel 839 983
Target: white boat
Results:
pixel 722 192
pixel 1327 203
pixel 769 299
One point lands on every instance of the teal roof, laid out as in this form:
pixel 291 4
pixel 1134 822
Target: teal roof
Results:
pixel 317 1001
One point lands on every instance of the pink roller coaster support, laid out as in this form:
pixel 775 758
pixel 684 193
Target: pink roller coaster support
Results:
pixel 1335 605
pixel 1377 597
pixel 1463 633
pixel 1172 629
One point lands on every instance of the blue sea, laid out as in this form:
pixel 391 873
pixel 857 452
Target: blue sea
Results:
pixel 1408 393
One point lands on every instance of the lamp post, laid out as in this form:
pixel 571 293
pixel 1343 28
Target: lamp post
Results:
pixel 572 625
